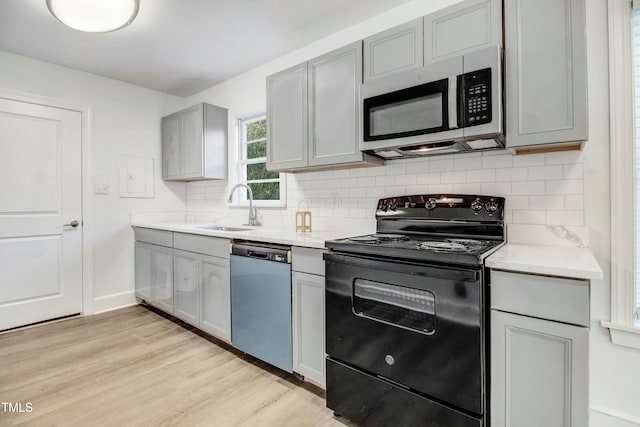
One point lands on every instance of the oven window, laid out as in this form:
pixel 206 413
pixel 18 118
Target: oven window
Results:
pixel 406 307
pixel 409 115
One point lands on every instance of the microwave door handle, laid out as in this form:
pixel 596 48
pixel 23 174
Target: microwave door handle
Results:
pixel 453 102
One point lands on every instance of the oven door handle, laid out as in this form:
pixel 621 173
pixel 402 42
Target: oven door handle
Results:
pixel 453 102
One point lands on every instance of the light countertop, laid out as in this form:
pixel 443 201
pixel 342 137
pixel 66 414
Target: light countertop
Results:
pixel 578 263
pixel 314 239
pixel 560 261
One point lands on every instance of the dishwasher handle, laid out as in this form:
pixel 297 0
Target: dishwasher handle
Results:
pixel 279 253
pixel 257 254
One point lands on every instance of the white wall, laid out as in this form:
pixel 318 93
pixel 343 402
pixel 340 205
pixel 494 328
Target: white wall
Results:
pixel 125 122
pixel 567 189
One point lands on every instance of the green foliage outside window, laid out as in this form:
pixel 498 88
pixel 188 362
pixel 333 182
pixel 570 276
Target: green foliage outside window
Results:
pixel 256 149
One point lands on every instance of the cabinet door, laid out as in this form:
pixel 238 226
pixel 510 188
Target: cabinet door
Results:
pixel 143 270
pixel 215 305
pixel 192 142
pixel 185 286
pixel 334 84
pixel 171 141
pixel 287 119
pixel 462 28
pixel 545 72
pixel 162 278
pixel 397 49
pixel 308 326
pixel 539 372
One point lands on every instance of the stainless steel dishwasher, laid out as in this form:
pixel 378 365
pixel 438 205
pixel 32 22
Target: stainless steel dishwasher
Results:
pixel 261 302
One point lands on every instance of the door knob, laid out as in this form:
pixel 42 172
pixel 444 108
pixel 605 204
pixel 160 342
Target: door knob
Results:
pixel 73 224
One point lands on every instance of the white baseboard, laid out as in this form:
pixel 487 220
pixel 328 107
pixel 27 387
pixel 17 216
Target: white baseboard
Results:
pixel 600 417
pixel 112 302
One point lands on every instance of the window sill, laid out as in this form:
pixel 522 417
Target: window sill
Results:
pixel 623 335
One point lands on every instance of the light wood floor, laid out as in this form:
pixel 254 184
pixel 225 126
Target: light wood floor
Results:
pixel 134 367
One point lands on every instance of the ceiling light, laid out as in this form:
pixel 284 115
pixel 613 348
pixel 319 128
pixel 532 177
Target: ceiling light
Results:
pixel 94 16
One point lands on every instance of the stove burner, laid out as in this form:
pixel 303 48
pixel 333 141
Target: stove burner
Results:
pixel 392 237
pixel 451 245
pixel 364 239
pixel 376 239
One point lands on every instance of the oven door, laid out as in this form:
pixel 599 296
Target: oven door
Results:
pixel 417 326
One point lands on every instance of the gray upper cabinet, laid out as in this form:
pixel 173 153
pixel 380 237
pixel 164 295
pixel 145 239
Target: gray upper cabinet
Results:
pixel 394 50
pixel 194 144
pixel 171 137
pixel 545 72
pixel 334 85
pixel 287 144
pixel 462 28
pixel 313 113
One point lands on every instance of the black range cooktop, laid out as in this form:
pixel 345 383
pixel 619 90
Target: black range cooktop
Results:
pixel 415 247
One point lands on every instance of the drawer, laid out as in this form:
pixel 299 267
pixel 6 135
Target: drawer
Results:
pixel 307 260
pixel 207 245
pixel 155 237
pixel 545 297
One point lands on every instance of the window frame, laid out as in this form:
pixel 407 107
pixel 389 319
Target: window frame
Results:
pixel 622 327
pixel 243 161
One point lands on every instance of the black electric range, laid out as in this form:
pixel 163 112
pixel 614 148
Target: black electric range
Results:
pixel 407 313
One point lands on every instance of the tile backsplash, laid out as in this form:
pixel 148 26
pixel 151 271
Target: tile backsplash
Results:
pixel 544 192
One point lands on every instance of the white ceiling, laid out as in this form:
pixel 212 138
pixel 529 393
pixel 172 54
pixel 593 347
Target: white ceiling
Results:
pixel 181 46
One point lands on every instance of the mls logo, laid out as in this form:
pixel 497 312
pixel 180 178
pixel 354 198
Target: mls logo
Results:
pixel 17 407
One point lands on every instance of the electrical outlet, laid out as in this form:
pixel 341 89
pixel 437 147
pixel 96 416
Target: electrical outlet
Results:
pixel 101 189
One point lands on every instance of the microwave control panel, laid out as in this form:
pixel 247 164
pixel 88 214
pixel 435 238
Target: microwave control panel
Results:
pixel 476 97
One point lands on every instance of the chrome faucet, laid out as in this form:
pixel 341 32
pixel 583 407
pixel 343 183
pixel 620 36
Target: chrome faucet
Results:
pixel 253 211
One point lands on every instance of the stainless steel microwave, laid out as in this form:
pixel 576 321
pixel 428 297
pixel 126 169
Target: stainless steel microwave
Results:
pixel 452 106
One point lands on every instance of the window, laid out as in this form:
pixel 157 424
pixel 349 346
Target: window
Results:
pixel 624 75
pixel 267 187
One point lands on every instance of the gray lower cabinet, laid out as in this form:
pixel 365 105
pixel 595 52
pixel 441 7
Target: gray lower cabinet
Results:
pixel 545 72
pixel 154 275
pixel 162 278
pixel 539 350
pixel 186 295
pixel 308 311
pixel 186 275
pixel 539 372
pixel 194 144
pixel 312 113
pixel 154 267
pixel 215 304
pixel 143 270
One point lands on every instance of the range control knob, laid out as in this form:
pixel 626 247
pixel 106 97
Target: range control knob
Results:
pixel 393 205
pixel 476 205
pixel 491 207
pixel 383 208
pixel 430 204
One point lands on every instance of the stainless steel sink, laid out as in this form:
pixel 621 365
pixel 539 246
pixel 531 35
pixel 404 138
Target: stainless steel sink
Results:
pixel 214 227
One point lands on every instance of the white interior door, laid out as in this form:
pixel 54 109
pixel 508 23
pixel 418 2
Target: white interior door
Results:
pixel 40 192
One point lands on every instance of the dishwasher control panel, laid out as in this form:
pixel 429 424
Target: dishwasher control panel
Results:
pixel 264 251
